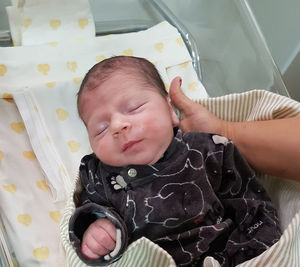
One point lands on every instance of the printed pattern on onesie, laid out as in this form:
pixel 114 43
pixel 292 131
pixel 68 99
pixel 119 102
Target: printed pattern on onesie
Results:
pixel 201 199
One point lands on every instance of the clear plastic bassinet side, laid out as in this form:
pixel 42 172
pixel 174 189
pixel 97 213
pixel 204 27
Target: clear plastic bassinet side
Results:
pixel 225 39
pixel 7 256
pixel 133 25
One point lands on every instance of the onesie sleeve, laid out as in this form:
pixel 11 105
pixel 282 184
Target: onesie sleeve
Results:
pixel 91 206
pixel 246 203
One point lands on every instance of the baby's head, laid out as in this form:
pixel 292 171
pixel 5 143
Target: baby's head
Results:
pixel 124 105
pixel 142 70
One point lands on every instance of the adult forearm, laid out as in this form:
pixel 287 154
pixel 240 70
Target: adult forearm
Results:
pixel 271 146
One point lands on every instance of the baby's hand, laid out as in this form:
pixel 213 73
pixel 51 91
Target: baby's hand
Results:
pixel 99 239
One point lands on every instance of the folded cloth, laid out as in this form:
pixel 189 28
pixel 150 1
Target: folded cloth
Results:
pixel 38 22
pixel 49 78
pixel 30 216
pixel 47 64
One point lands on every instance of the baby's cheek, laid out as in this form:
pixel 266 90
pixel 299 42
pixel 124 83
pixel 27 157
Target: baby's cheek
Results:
pixel 108 152
pixel 146 122
pixel 100 149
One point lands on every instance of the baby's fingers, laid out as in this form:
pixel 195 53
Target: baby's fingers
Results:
pixel 99 239
pixel 106 226
pixel 93 250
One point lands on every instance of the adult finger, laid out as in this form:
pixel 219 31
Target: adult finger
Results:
pixel 178 98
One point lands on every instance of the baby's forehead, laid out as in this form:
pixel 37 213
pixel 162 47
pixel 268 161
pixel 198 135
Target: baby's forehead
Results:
pixel 119 78
pixel 96 78
pixel 116 82
pixel 124 79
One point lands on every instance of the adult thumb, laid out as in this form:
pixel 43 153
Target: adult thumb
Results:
pixel 178 98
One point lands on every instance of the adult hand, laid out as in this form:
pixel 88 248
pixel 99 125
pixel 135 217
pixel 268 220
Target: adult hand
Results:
pixel 195 117
pixel 99 239
pixel 270 146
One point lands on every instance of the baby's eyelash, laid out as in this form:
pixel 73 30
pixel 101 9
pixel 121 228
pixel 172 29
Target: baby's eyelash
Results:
pixel 135 107
pixel 102 129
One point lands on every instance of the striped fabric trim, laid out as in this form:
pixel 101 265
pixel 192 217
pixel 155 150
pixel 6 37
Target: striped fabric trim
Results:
pixel 252 105
pixel 248 106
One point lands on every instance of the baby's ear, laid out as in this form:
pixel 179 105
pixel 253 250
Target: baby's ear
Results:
pixel 174 117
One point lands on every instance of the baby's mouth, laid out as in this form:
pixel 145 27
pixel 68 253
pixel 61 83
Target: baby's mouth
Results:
pixel 130 144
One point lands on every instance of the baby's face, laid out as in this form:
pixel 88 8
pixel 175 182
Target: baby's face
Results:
pixel 127 122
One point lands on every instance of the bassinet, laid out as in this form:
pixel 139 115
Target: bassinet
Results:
pixel 223 53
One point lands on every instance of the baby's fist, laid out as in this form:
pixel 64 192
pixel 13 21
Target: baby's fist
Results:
pixel 99 239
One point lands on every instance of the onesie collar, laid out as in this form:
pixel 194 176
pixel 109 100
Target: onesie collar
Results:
pixel 135 175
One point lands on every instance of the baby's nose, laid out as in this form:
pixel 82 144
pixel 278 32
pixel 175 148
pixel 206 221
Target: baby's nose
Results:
pixel 119 123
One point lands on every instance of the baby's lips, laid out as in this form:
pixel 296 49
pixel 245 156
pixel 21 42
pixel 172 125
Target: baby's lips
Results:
pixel 129 144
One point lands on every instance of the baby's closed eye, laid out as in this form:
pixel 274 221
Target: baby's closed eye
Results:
pixel 135 107
pixel 101 128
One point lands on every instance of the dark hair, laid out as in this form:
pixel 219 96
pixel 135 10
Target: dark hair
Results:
pixel 145 70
